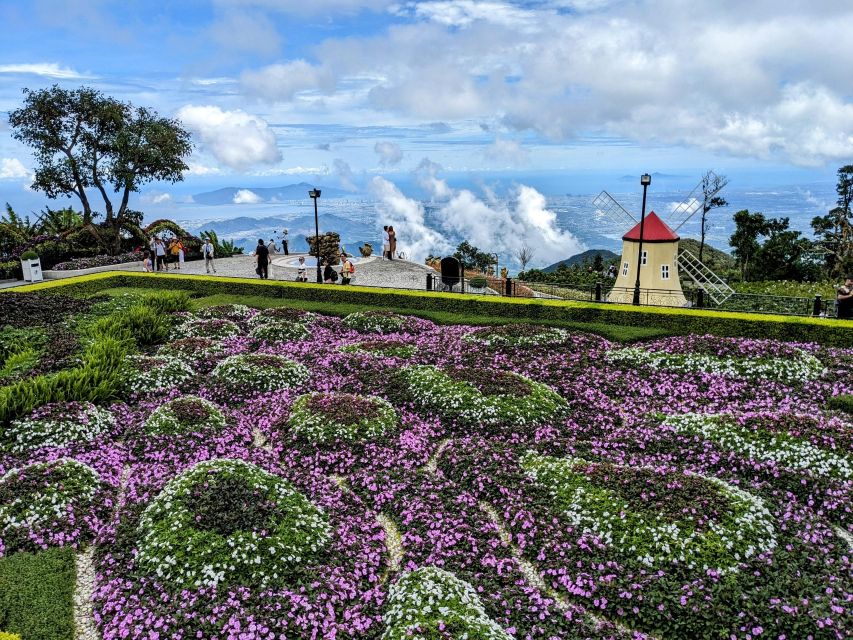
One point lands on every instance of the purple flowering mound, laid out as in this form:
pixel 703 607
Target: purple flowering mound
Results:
pixel 529 483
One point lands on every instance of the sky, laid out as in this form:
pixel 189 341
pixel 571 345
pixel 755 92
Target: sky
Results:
pixel 364 95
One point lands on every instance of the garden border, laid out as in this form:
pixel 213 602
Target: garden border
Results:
pixel 791 328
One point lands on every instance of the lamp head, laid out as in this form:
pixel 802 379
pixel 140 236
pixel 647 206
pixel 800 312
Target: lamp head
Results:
pixel 645 179
pixel 314 193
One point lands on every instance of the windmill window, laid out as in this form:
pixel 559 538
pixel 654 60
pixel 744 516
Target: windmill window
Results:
pixel 664 272
pixel 645 258
pixel 624 268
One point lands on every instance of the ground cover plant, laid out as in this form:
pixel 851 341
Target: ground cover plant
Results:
pixel 385 477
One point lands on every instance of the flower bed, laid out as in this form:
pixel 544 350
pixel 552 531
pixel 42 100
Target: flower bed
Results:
pixel 57 425
pixel 192 349
pixel 213 328
pixel 376 322
pixel 97 261
pixel 229 522
pixel 260 372
pixel 232 312
pixel 146 374
pixel 326 417
pixel 278 314
pixel 382 348
pixel 517 335
pixel 279 331
pixel 188 414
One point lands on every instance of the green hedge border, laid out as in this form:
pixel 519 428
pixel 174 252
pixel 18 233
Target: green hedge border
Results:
pixel 791 328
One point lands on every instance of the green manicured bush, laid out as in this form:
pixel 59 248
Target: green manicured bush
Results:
pixel 260 372
pixel 36 595
pixel 184 415
pixel 842 402
pixel 375 321
pixel 325 417
pixel 144 324
pixel 29 255
pixel 167 302
pixel 280 331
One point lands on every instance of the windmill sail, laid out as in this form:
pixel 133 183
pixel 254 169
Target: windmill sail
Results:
pixel 606 206
pixel 704 278
pixel 694 201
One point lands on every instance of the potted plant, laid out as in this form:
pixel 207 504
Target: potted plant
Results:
pixel 477 284
pixel 31 266
pixel 366 250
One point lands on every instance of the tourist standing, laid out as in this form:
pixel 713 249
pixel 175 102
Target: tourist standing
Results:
pixel 263 255
pixel 844 299
pixel 392 242
pixel 386 242
pixel 347 269
pixel 160 253
pixel 181 253
pixel 302 272
pixel 285 243
pixel 207 252
pixel 330 276
pixel 271 246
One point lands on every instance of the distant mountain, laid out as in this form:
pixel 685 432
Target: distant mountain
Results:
pixel 245 231
pixel 256 195
pixel 581 257
pixel 717 261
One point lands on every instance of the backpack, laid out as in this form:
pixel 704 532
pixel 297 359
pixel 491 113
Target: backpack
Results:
pixel 334 276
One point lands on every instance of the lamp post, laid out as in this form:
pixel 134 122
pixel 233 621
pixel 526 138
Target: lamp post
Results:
pixel 645 180
pixel 315 194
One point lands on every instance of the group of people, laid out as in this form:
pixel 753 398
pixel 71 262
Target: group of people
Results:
pixel 160 253
pixel 389 242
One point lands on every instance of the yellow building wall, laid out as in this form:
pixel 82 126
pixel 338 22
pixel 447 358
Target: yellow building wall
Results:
pixel 654 288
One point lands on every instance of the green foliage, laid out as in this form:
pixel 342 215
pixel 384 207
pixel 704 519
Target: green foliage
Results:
pixel 842 402
pixel 185 415
pixel 478 283
pixel 472 258
pixel 141 323
pixel 782 255
pixel 167 302
pixel 834 231
pixel 375 322
pixel 29 255
pixel 223 249
pixel 36 595
pixel 280 331
pixel 20 350
pixel 260 372
pixel 788 288
pixel 9 636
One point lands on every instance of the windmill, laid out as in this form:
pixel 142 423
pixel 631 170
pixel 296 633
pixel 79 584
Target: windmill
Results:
pixel 661 259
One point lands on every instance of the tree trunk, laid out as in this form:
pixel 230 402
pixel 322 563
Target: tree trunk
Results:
pixel 702 240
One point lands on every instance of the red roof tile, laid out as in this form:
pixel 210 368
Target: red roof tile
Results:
pixel 655 230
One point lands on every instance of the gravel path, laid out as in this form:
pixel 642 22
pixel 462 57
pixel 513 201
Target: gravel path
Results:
pixel 84 621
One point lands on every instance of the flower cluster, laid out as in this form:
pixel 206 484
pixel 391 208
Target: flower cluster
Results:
pixel 232 312
pixel 228 521
pixel 376 321
pixel 279 331
pixel 213 328
pixel 325 417
pixel 147 374
pixel 260 372
pixel 192 349
pixel 517 335
pixel 430 603
pixel 56 425
pixel 98 261
pixel 186 414
pixel 382 348
pixel 279 314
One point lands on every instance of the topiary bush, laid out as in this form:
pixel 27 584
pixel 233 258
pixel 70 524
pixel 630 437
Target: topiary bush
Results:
pixel 232 312
pixel 325 417
pixel 432 604
pixel 57 425
pixel 147 374
pixel 187 414
pixel 280 331
pixel 375 321
pixel 49 504
pixel 260 372
pixel 483 397
pixel 276 314
pixel 215 329
pixel 232 523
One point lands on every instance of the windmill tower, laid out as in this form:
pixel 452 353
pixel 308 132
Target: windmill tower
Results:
pixel 661 262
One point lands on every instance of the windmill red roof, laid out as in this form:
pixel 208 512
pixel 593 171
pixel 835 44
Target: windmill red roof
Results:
pixel 655 230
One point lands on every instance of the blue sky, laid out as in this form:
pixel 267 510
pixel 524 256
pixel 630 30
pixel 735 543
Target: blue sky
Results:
pixel 341 92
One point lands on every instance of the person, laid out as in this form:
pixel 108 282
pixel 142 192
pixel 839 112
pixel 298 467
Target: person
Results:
pixel 392 242
pixel 263 255
pixel 271 246
pixel 181 253
pixel 386 242
pixel 284 243
pixel 160 252
pixel 611 272
pixel 147 265
pixel 844 299
pixel 302 272
pixel 330 276
pixel 347 269
pixel 207 252
pixel 172 251
pixel 152 246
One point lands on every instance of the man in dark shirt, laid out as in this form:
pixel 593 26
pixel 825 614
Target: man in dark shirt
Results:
pixel 263 255
pixel 844 299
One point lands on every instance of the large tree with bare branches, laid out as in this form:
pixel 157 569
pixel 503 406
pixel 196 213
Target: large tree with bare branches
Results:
pixel 711 185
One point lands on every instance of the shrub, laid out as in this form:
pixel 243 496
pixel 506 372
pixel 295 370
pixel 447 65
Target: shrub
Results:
pixel 36 595
pixel 276 314
pixel 217 329
pixel 478 283
pixel 29 255
pixel 48 504
pixel 431 603
pixel 516 335
pixel 375 321
pixel 280 331
pixel 145 374
pixel 98 261
pixel 168 302
pixel 230 522
pixel 146 326
pixel 186 414
pixel 260 372
pixel 232 312
pixel 325 417
pixel 382 348
pixel 842 402
pixel 483 397
pixel 57 425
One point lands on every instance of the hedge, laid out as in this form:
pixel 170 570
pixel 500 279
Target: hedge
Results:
pixel 36 594
pixel 699 321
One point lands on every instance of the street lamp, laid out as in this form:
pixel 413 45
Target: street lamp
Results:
pixel 315 194
pixel 645 180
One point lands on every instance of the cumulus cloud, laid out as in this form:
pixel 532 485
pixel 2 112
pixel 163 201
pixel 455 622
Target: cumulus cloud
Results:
pixel 426 175
pixel 11 168
pixel 242 31
pixel 389 153
pixel 236 139
pixel 157 198
pixel 281 82
pixel 507 151
pixel 293 171
pixel 45 69
pixel 197 169
pixel 344 174
pixel 245 196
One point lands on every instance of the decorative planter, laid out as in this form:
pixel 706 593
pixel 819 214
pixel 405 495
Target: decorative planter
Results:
pixel 32 270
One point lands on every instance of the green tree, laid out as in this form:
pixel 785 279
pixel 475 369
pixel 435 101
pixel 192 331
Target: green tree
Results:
pixel 834 231
pixel 471 257
pixel 14 230
pixel 748 228
pixel 784 254
pixel 82 139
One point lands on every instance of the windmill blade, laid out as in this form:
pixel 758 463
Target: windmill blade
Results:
pixel 607 206
pixel 688 207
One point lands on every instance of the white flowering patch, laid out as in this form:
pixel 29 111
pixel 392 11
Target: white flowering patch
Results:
pixel 280 331
pixel 745 530
pixel 279 314
pixel 183 415
pixel 434 389
pixel 214 328
pixel 517 335
pixel 235 312
pixel 57 426
pixel 178 544
pixel 782 449
pixel 375 321
pixel 801 369
pixel 45 507
pixel 145 374
pixel 325 417
pixel 260 372
pixel 425 601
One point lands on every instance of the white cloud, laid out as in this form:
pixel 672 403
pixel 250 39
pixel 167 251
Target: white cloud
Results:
pixel 314 7
pixel 426 174
pixel 241 31
pixel 389 153
pixel 196 169
pixel 11 168
pixel 236 139
pixel 158 198
pixel 245 196
pixel 462 13
pixel 509 151
pixel 281 82
pixel 293 171
pixel 345 174
pixel 46 69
